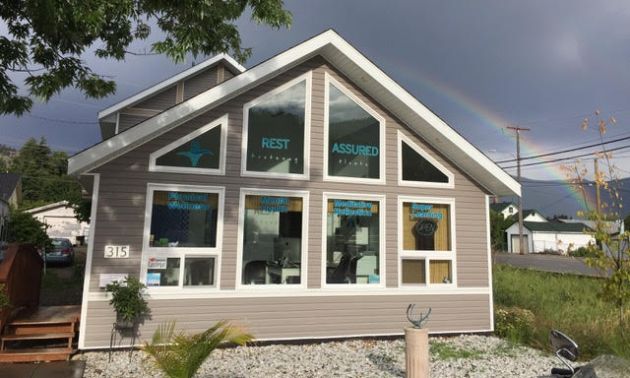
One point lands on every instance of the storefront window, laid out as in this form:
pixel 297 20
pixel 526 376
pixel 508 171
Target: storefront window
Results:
pixel 416 168
pixel 353 138
pixel 183 248
pixel 184 219
pixel 426 227
pixel 353 242
pixel 275 132
pixel 204 151
pixel 272 240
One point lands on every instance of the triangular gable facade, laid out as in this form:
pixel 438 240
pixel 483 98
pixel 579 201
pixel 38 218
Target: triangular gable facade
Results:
pixel 351 63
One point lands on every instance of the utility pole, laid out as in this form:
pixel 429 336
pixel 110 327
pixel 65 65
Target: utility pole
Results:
pixel 520 198
pixel 598 196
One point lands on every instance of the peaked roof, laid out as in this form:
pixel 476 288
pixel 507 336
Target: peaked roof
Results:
pixel 232 64
pixel 55 205
pixel 8 183
pixel 351 63
pixel 498 207
pixel 556 227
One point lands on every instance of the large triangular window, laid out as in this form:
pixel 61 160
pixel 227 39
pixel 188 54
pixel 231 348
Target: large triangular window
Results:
pixel 354 137
pixel 202 151
pixel 418 168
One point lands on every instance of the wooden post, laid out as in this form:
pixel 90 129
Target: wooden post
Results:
pixel 417 352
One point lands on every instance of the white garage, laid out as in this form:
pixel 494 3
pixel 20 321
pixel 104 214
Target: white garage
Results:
pixel 549 236
pixel 62 223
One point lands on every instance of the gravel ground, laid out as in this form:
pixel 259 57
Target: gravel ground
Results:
pixel 463 356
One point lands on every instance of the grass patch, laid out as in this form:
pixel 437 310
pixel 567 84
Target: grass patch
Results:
pixel 445 351
pixel 52 282
pixel 565 302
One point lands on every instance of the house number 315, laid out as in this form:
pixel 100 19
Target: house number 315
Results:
pixel 116 251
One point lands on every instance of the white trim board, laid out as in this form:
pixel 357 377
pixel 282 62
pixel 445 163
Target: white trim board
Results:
pixel 222 122
pixel 192 71
pixel 352 64
pixel 88 261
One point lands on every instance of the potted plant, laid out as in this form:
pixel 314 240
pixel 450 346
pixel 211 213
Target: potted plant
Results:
pixel 127 301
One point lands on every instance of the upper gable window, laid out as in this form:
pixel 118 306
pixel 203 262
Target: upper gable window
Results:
pixel 418 168
pixel 202 151
pixel 355 137
pixel 275 130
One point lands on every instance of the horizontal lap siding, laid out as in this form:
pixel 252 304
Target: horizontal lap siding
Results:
pixel 303 317
pixel 123 187
pixel 160 101
pixel 200 83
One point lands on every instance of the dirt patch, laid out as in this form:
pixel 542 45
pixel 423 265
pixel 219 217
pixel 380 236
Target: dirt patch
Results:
pixel 63 285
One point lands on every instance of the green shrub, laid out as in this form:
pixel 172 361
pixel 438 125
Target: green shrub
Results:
pixel 127 299
pixel 513 323
pixel 5 301
pixel 583 252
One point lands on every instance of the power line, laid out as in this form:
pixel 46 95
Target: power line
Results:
pixel 570 117
pixel 566 158
pixel 564 151
pixel 71 122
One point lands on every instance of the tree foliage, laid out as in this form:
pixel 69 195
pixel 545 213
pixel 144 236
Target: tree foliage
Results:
pixel 498 225
pixel 25 228
pixel 44 178
pixel 612 249
pixel 48 38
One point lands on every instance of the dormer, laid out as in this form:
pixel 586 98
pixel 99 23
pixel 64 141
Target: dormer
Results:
pixel 163 95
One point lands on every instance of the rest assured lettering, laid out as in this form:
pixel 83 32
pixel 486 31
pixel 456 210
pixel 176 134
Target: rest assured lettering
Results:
pixel 275 143
pixel 354 149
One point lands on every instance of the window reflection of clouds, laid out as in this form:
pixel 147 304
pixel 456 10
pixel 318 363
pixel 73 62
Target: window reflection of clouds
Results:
pixel 289 101
pixel 343 108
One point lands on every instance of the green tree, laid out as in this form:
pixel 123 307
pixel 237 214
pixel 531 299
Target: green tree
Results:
pixel 613 255
pixel 44 178
pixel 48 38
pixel 498 225
pixel 24 228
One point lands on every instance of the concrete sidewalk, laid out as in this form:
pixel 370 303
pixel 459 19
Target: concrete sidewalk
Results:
pixel 548 263
pixel 64 369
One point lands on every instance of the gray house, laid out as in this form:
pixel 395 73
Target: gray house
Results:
pixel 308 197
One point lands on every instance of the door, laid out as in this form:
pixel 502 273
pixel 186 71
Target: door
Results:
pixel 516 243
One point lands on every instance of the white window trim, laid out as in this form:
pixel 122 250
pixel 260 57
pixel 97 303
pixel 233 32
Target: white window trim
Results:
pixel 116 131
pixel 382 239
pixel 420 151
pixel 427 256
pixel 182 252
pixel 329 80
pixel 222 122
pixel 304 194
pixel 308 77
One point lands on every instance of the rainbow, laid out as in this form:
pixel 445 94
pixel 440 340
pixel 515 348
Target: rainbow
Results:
pixel 495 123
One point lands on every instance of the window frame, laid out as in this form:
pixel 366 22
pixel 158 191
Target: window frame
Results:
pixel 308 77
pixel 382 199
pixel 330 80
pixel 222 122
pixel 304 194
pixel 427 156
pixel 182 252
pixel 427 256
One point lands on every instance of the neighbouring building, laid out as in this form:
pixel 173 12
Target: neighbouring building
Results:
pixel 549 236
pixel 11 188
pixel 506 208
pixel 308 197
pixel 61 221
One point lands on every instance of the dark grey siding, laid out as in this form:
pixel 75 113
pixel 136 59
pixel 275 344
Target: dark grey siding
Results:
pixel 126 121
pixel 120 220
pixel 160 101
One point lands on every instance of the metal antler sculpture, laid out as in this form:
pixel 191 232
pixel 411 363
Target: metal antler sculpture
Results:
pixel 417 323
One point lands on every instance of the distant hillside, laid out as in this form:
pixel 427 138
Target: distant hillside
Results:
pixel 556 197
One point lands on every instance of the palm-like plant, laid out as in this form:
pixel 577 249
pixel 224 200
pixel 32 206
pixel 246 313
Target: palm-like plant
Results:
pixel 180 355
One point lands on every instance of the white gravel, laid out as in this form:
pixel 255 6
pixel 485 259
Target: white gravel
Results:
pixel 462 356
